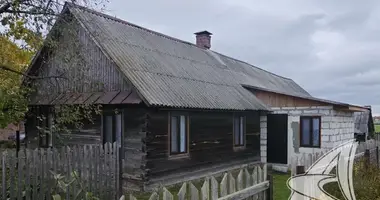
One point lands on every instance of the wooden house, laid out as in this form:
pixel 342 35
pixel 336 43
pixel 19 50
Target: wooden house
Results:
pixel 178 110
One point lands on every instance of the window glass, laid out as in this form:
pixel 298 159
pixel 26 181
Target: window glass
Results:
pixel 183 134
pixel 306 131
pixel 316 131
pixel 108 129
pixel 236 130
pixel 118 129
pixel 174 133
pixel 241 130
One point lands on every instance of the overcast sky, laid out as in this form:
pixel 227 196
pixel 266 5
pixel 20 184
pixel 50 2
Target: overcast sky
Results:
pixel 330 48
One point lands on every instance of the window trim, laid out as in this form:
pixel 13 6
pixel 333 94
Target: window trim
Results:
pixel 244 131
pixel 187 133
pixel 113 125
pixel 311 134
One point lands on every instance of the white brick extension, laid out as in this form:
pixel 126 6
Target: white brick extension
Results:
pixel 263 138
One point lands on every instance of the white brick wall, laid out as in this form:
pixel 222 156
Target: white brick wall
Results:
pixel 263 138
pixel 336 126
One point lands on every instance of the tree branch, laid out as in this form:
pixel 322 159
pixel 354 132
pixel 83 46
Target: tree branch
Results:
pixel 3 67
pixel 29 12
pixel 7 5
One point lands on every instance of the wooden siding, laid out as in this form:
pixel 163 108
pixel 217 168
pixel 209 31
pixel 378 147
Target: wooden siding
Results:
pixel 88 133
pixel 77 58
pixel 211 143
pixel 280 100
pixel 134 148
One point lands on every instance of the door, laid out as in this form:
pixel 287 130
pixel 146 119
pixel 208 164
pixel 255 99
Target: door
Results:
pixel 277 143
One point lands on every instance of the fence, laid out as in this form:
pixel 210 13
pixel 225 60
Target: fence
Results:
pixel 233 186
pixel 369 150
pixel 68 171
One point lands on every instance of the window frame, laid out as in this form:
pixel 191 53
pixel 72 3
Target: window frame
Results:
pixel 113 116
pixel 311 136
pixel 244 130
pixel 187 135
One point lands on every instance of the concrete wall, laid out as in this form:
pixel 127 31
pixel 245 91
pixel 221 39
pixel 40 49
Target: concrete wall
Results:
pixel 263 138
pixel 336 127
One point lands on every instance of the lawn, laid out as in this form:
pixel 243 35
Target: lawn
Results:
pixel 377 128
pixel 280 190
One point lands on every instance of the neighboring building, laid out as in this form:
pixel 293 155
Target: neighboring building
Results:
pixel 185 111
pixel 376 119
pixel 364 125
pixel 301 123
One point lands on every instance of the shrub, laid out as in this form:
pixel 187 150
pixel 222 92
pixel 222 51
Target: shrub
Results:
pixel 366 182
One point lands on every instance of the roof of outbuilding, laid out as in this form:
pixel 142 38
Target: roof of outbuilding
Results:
pixel 167 71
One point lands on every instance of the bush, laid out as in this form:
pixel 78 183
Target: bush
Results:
pixel 5 144
pixel 366 182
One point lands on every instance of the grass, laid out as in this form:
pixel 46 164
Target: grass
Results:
pixel 280 190
pixel 377 128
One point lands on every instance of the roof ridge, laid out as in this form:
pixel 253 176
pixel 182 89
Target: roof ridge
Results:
pixel 130 24
pixel 165 36
pixel 252 65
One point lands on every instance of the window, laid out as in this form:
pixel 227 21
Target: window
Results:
pixel 45 123
pixel 310 131
pixel 112 128
pixel 239 131
pixel 178 134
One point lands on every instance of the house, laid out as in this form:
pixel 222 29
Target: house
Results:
pixel 364 124
pixel 183 110
pixel 376 119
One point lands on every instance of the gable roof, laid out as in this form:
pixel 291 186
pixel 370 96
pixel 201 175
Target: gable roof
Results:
pixel 166 71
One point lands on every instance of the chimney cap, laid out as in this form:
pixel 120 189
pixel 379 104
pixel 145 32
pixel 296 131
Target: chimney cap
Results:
pixel 203 33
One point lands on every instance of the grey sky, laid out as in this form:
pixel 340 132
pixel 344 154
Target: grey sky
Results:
pixel 331 48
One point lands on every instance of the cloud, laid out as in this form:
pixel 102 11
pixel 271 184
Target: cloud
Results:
pixel 331 48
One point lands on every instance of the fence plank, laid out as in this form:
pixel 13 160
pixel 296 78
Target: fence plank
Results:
pixel 205 190
pixel 49 161
pixel 240 180
pixel 247 192
pixel 232 184
pixel 224 185
pixel 12 177
pixel 131 197
pixel 167 195
pixel 35 174
pixel 255 181
pixel 70 166
pixel 182 192
pixel 20 176
pixel 248 178
pixel 154 196
pixel 4 175
pixel 214 188
pixel 27 174
pixel 193 192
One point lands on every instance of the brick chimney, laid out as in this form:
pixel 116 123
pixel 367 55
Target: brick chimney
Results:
pixel 203 39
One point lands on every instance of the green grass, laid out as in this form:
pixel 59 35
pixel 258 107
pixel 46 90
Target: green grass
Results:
pixel 377 128
pixel 280 190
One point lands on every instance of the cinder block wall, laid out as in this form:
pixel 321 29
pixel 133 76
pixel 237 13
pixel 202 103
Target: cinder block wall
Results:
pixel 336 127
pixel 263 138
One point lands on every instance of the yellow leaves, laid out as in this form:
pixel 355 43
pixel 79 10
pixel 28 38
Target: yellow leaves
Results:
pixel 13 103
pixel 17 28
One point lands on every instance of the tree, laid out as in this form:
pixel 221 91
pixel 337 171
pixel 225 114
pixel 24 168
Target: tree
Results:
pixel 13 105
pixel 25 26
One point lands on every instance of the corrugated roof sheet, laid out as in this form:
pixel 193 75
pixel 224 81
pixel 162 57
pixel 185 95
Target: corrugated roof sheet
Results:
pixel 90 98
pixel 170 72
pixel 361 121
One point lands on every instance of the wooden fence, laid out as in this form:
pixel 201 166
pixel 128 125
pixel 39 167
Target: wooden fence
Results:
pixel 68 171
pixel 252 184
pixel 369 150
